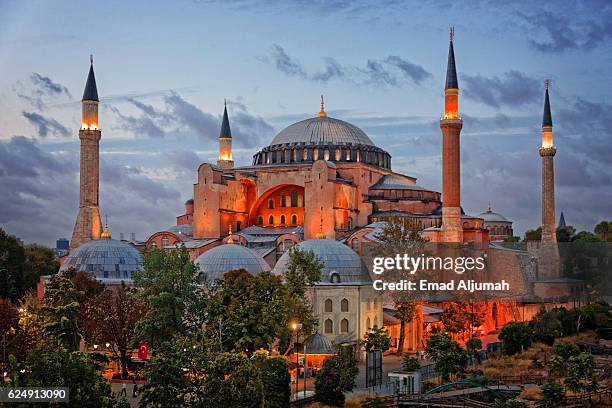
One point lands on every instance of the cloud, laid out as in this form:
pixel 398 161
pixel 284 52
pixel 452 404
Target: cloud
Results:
pixel 513 88
pixel 40 90
pixel 391 71
pixel 45 126
pixel 47 86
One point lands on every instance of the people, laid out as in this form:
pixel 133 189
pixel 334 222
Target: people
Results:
pixel 123 390
pixel 135 390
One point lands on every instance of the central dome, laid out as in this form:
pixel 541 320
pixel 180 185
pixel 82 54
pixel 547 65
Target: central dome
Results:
pixel 322 130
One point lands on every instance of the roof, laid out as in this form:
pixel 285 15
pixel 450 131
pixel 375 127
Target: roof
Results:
pixel 215 262
pixel 395 182
pixel 257 230
pixel 451 70
pixel 547 116
pixel 318 344
pixel 106 259
pixel 490 216
pixel 225 126
pixel 91 90
pixel 339 262
pixel 322 130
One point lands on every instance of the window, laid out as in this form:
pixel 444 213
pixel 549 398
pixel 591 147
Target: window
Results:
pixel 350 223
pixel 338 154
pixel 300 200
pixel 368 324
pixel 344 326
pixel 304 154
pixel 260 220
pixel 329 306
pixel 282 219
pixel 355 244
pixel 165 242
pixel 271 220
pixel 376 322
pixel 334 278
pixel 238 226
pixel 326 154
pixel 315 153
pixel 294 219
pixel 344 305
pixel 329 326
pixel 294 198
pixel 153 245
pixel 283 200
pixel 271 203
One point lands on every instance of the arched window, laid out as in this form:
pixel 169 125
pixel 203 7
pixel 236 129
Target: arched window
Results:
pixel 260 220
pixel 329 326
pixel 271 203
pixel 283 200
pixel 329 306
pixel 165 242
pixel 315 154
pixel 368 326
pixel 304 154
pixel 326 154
pixel 293 154
pixel 271 220
pixel 294 200
pixel 344 305
pixel 375 322
pixel 282 220
pixel 344 326
pixel 355 244
pixel 294 219
pixel 338 154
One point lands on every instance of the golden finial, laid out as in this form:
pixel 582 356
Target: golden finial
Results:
pixel 106 233
pixel 322 113
pixel 452 33
pixel 321 234
pixel 547 84
pixel 230 240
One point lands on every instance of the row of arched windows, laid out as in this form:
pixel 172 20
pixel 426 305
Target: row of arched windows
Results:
pixel 295 200
pixel 283 220
pixel 329 326
pixel 329 305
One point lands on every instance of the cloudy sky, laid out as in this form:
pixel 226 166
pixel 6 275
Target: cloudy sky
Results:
pixel 164 68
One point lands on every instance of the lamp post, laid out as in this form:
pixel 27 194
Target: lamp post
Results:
pixel 296 327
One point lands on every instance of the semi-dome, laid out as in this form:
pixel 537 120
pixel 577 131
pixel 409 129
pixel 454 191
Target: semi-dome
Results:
pixel 230 257
pixel 324 130
pixel 106 259
pixel 341 265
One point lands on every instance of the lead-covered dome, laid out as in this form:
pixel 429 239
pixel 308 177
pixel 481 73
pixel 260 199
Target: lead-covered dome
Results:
pixel 341 265
pixel 108 260
pixel 324 130
pixel 216 262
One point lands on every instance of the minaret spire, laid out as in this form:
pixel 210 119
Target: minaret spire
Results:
pixel 225 141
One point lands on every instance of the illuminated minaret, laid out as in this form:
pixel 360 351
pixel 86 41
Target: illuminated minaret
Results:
pixel 88 225
pixel 225 143
pixel 451 125
pixel 549 262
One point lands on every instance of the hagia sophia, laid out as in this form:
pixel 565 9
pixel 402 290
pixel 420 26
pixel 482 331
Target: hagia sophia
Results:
pixel 324 185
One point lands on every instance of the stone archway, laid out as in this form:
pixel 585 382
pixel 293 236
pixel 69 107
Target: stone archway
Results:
pixel 288 206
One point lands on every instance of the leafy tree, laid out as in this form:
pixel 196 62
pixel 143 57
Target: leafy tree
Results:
pixel 12 258
pixel 566 350
pixel 405 312
pixel 566 234
pixel 410 363
pixel 450 358
pixel 546 327
pixel 61 313
pixel 516 337
pixel 585 236
pixel 461 317
pixel 533 235
pixel 274 373
pixel 581 373
pixel 39 261
pixel 552 392
pixel 59 368
pixel 377 339
pixel 473 347
pixel 336 377
pixel 604 231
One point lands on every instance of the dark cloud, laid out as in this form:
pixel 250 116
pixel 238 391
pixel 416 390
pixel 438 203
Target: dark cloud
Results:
pixel 40 90
pixel 47 86
pixel 513 88
pixel 184 161
pixel 391 71
pixel 205 125
pixel 144 125
pixel 45 126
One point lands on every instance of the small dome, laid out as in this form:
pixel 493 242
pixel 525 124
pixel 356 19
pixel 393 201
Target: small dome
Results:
pixel 190 201
pixel 230 257
pixel 107 259
pixel 341 265
pixel 181 230
pixel 318 344
pixel 322 130
pixel 490 216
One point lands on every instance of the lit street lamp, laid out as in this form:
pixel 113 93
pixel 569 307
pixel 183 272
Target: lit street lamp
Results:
pixel 296 328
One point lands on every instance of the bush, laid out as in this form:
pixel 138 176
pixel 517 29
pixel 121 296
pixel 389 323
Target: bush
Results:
pixel 336 377
pixel 566 350
pixel 411 363
pixel 552 392
pixel 516 337
pixel 375 402
pixel 509 404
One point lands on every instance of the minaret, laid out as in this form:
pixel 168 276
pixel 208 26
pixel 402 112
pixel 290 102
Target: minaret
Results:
pixel 451 124
pixel 88 225
pixel 225 142
pixel 549 252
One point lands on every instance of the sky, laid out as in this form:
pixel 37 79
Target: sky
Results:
pixel 163 70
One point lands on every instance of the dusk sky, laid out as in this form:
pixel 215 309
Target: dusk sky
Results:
pixel 163 70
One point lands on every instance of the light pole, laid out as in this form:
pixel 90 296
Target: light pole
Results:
pixel 296 327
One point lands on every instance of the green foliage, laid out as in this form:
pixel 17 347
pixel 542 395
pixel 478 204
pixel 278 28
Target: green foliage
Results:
pixel 512 403
pixel 450 357
pixel 61 313
pixel 410 363
pixel 276 380
pixel 373 402
pixel 377 339
pixel 336 377
pixel 461 317
pixel 552 392
pixel 473 345
pixel 566 350
pixel 516 337
pixel 46 368
pixel 581 373
pixel 585 236
pixel 404 312
pixel 546 327
pixel 604 231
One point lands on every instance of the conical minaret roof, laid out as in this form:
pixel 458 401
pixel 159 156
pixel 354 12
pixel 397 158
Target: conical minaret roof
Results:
pixel 91 90
pixel 451 70
pixel 547 117
pixel 226 132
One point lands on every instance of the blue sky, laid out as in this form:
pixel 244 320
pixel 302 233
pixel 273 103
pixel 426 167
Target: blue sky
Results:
pixel 164 68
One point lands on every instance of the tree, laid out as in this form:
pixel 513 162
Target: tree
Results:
pixel 116 312
pixel 61 313
pixel 12 258
pixel 516 337
pixel 461 317
pixel 604 231
pixel 450 358
pixel 39 261
pixel 274 372
pixel 473 347
pixel 410 363
pixel 405 312
pixel 533 235
pixel 336 377
pixel 585 236
pixel 377 339
pixel 546 327
pixel 552 392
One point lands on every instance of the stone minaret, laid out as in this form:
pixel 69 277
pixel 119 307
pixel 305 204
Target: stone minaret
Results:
pixel 549 252
pixel 88 225
pixel 225 143
pixel 451 124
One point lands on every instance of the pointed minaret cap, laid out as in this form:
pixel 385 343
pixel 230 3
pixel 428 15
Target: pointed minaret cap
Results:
pixel 91 90
pixel 230 240
pixel 561 221
pixel 106 233
pixel 226 132
pixel 451 70
pixel 322 113
pixel 547 117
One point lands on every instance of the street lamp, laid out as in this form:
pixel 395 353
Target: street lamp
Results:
pixel 296 327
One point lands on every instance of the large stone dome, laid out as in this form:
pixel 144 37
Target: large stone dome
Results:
pixel 341 265
pixel 229 257
pixel 324 130
pixel 108 260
